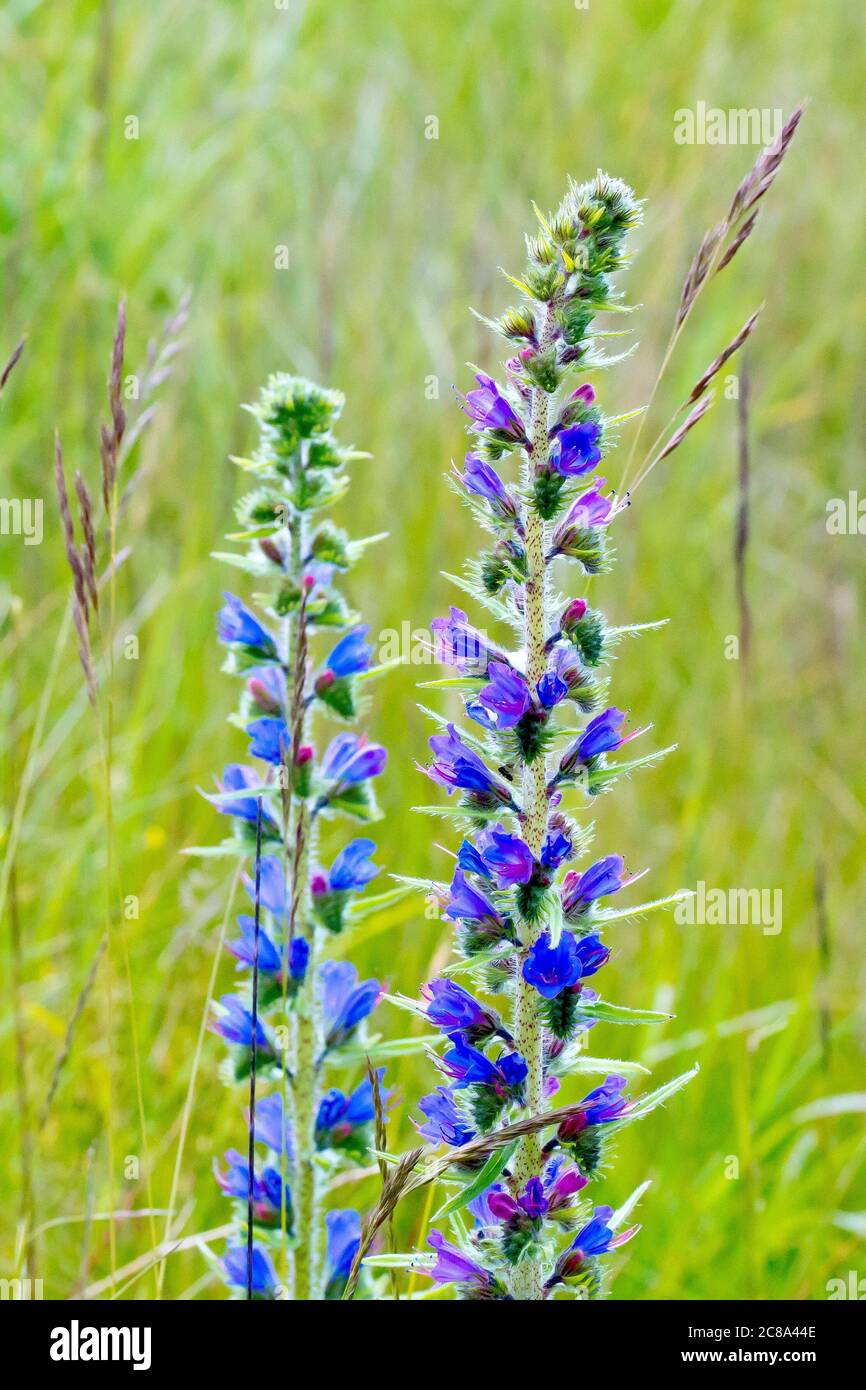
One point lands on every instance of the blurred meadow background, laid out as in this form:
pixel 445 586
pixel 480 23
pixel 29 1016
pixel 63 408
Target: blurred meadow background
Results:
pixel 261 126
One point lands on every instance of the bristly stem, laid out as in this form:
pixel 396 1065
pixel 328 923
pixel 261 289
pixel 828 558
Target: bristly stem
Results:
pixel 528 1030
pixel 305 1052
pixel 254 1050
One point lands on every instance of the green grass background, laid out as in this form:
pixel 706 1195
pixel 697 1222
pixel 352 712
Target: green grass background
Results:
pixel 306 127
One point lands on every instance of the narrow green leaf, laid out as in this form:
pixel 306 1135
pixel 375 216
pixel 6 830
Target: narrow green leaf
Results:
pixel 495 1164
pixel 617 1013
pixel 622 1214
pixel 644 1105
pixel 615 914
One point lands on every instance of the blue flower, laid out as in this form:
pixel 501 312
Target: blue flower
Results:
pixel 445 1122
pixel 268 689
pixel 350 759
pixel 598 881
pixel 236 625
pixel 299 956
pixel 351 654
pixel 345 1003
pixel 575 450
pixel 457 643
pixel 557 848
pixel 479 478
pixel 506 856
pixel 503 702
pixel 238 778
pixel 272 886
pixel 551 969
pixel 343 1238
pixel 489 410
pixel 453 1267
pixel 267 1188
pixel 471 862
pixel 456 766
pixel 595 1238
pixel 551 690
pixel 468 904
pixel 270 960
pixel 269 739
pixel 352 869
pixel 272 1125
pixel 264 1278
pixel 601 735
pixel 340 1117
pixel 454 1010
pixel 235 1023
pixel 599 1107
pixel 467 1066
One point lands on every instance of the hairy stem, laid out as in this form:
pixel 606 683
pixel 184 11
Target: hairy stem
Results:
pixel 528 1031
pixel 307 1031
pixel 304 1075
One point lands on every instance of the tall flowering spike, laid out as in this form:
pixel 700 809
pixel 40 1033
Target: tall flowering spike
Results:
pixel 528 925
pixel 297 649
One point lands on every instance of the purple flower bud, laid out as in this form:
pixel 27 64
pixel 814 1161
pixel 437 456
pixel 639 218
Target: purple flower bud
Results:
pixel 572 615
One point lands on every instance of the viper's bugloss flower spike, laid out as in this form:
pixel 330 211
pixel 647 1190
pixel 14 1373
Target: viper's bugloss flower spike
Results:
pixel 299 651
pixel 527 915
